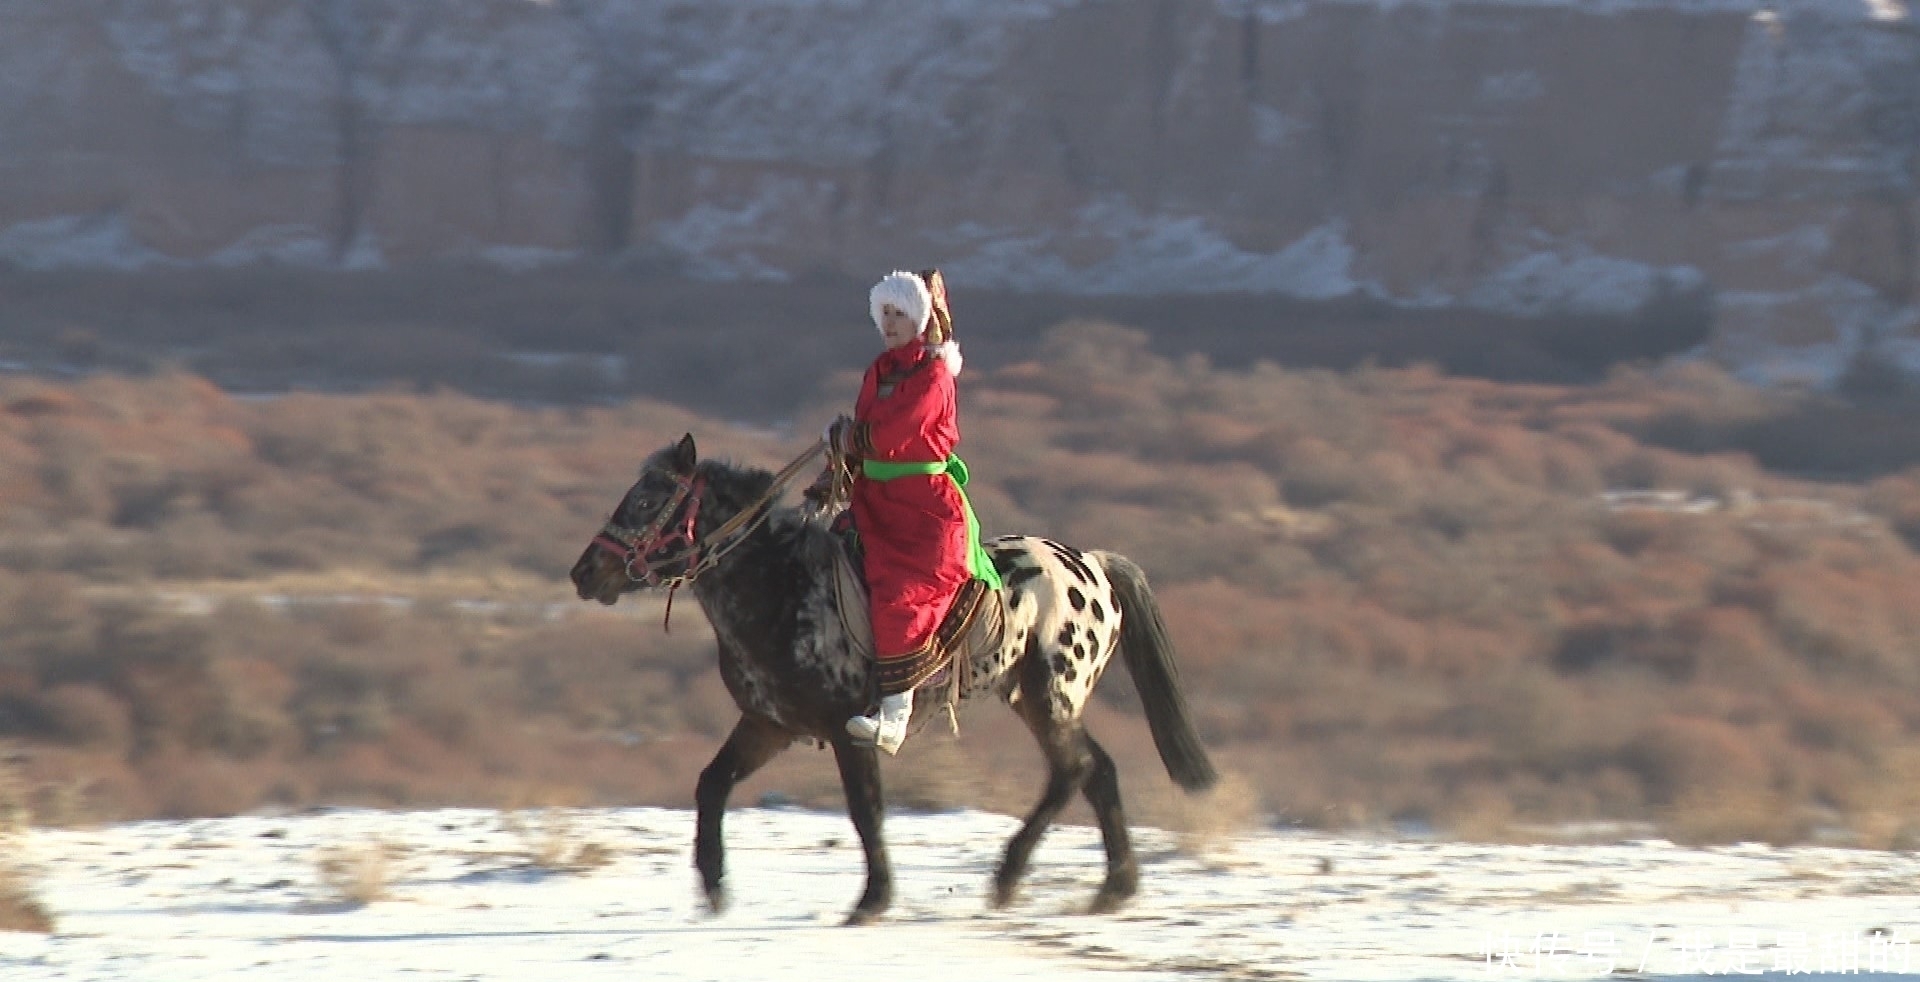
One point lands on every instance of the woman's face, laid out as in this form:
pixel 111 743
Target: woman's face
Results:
pixel 896 327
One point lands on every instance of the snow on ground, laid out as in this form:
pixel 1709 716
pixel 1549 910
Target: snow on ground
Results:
pixel 241 898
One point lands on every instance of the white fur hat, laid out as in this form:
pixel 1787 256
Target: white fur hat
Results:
pixel 906 292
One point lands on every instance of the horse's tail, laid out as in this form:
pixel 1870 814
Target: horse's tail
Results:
pixel 1149 655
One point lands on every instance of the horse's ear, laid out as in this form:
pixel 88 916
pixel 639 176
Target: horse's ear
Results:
pixel 685 456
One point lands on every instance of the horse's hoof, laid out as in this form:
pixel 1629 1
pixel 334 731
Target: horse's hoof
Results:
pixel 1107 901
pixel 1002 898
pixel 1116 891
pixel 717 901
pixel 861 917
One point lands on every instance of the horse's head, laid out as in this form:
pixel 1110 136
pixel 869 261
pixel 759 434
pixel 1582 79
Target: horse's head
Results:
pixel 649 541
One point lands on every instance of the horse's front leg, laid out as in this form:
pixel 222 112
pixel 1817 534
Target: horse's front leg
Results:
pixel 754 741
pixel 860 778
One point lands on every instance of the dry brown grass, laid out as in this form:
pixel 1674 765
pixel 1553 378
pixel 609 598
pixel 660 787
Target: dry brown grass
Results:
pixel 551 839
pixel 1742 814
pixel 358 874
pixel 16 810
pixel 20 908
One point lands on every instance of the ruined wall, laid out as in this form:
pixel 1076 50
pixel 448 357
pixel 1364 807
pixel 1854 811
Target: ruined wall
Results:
pixel 1528 156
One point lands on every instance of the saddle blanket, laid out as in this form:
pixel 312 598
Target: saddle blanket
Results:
pixel 974 626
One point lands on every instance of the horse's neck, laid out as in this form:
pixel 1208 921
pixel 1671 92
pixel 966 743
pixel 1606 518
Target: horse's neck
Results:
pixel 728 495
pixel 749 581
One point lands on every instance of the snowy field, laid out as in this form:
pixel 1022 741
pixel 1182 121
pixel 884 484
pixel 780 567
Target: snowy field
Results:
pixel 246 898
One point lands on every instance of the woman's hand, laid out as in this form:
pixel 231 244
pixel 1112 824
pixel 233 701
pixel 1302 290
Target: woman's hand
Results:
pixel 848 439
pixel 839 435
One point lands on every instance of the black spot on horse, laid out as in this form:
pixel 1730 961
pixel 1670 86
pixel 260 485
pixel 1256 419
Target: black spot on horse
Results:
pixel 1013 602
pixel 1060 666
pixel 1020 576
pixel 1066 635
pixel 1079 652
pixel 1093 638
pixel 1099 612
pixel 1076 598
pixel 1071 674
pixel 1072 560
pixel 1005 561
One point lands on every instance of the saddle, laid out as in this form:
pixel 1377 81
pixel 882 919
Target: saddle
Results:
pixel 974 626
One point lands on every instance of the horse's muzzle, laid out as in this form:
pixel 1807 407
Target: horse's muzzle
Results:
pixel 596 576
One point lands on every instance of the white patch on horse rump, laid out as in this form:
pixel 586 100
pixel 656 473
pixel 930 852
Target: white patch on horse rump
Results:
pixel 1059 607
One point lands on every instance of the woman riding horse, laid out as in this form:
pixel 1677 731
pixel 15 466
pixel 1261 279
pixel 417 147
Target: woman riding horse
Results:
pixel 765 576
pixel 920 541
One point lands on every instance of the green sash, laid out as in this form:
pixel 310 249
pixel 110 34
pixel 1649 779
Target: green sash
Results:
pixel 977 562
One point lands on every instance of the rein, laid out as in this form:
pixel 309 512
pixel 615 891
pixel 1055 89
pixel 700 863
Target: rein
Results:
pixel 633 546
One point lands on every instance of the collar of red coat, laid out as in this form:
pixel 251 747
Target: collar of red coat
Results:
pixel 902 358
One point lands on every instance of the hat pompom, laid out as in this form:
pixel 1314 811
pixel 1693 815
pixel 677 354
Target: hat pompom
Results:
pixel 949 352
pixel 907 293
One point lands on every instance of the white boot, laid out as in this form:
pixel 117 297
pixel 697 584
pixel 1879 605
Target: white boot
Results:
pixel 886 729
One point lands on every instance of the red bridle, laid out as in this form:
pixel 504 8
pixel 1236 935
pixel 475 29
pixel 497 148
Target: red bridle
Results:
pixel 633 547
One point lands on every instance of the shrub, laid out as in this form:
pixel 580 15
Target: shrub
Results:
pixel 1680 757
pixel 1738 814
pixel 20 908
pixel 356 875
pixel 550 840
pixel 91 717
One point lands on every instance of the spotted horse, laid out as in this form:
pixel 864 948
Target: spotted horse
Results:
pixel 762 574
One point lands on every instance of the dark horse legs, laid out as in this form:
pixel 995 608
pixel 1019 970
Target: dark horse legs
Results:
pixel 1103 793
pixel 860 778
pixel 752 743
pixel 1074 763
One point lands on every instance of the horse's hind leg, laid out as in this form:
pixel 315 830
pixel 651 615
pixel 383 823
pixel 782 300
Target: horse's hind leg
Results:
pixel 1075 761
pixel 860 779
pixel 752 743
pixel 1103 793
pixel 1069 761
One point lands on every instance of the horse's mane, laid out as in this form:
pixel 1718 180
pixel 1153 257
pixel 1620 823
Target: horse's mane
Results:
pixel 738 486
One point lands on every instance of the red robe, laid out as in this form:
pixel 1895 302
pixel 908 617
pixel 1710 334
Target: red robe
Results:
pixel 913 528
